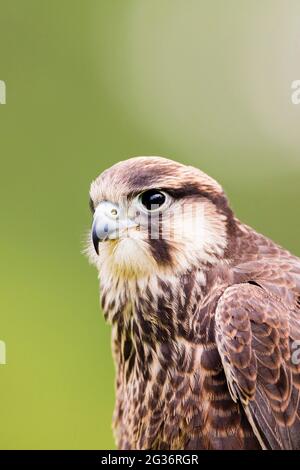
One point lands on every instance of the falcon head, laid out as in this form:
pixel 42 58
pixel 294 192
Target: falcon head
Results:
pixel 153 215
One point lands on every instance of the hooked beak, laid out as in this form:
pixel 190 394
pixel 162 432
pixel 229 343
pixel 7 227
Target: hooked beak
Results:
pixel 108 222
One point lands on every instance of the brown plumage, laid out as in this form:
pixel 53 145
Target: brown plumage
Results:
pixel 205 314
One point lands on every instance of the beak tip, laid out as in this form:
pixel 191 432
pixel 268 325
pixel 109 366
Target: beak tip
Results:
pixel 95 241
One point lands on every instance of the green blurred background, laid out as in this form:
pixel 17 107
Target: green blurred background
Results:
pixel 92 82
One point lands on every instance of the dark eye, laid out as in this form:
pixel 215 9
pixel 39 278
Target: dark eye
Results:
pixel 153 199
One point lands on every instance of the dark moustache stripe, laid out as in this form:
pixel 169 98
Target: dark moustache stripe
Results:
pixel 160 251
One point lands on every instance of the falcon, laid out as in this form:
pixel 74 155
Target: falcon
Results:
pixel 204 311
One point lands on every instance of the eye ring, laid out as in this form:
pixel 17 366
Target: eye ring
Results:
pixel 153 200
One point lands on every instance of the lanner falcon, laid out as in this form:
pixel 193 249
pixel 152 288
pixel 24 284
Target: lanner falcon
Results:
pixel 205 313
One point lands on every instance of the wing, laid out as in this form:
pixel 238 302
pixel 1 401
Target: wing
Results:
pixel 258 340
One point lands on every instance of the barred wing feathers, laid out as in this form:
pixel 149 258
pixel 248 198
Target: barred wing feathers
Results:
pixel 255 333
